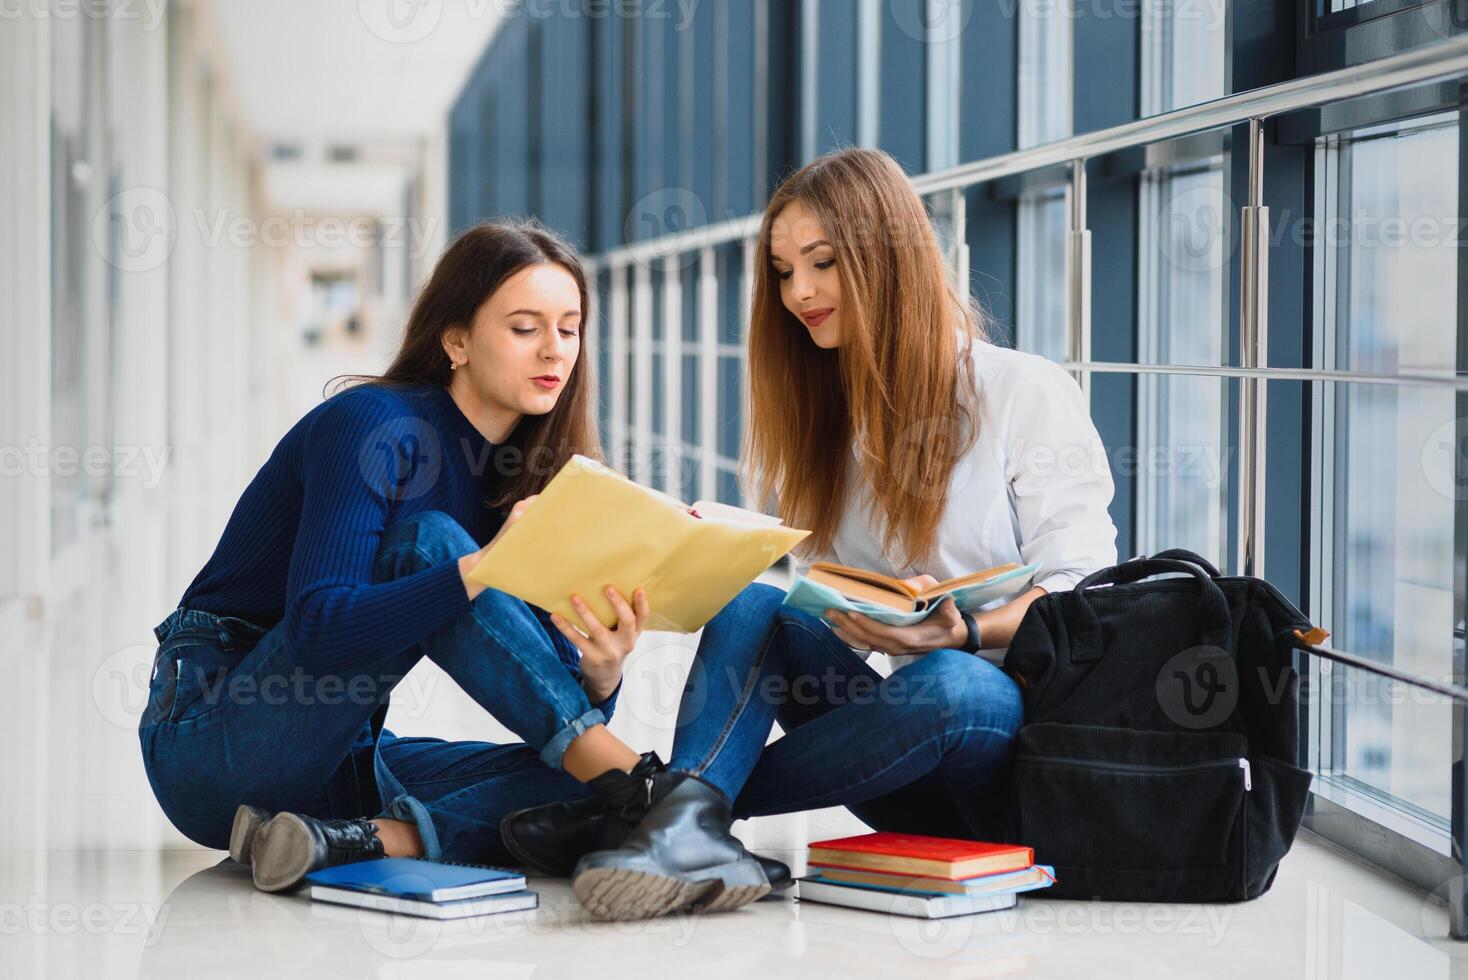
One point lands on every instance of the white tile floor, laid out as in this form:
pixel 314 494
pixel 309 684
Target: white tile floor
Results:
pixel 95 883
pixel 194 914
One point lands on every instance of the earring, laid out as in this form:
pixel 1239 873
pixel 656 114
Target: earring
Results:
pixel 453 365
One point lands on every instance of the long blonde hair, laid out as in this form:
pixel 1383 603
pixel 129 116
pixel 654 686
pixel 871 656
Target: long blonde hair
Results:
pixel 893 389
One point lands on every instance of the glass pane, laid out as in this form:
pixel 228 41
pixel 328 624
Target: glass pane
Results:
pixel 1040 305
pixel 1180 465
pixel 1394 491
pixel 1044 72
pixel 1183 49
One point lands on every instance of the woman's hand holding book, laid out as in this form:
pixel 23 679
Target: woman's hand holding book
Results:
pixel 943 629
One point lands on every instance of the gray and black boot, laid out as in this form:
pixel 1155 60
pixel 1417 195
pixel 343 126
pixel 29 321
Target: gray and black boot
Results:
pixel 680 856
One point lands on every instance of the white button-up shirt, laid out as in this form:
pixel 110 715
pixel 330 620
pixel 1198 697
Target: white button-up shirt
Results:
pixel 1034 487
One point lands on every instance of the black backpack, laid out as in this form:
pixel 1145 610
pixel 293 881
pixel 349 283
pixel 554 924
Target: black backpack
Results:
pixel 1156 762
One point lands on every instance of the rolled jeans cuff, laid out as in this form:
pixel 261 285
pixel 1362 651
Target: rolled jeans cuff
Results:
pixel 410 810
pixel 555 749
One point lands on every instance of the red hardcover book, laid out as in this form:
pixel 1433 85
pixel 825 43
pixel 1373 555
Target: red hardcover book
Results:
pixel 923 857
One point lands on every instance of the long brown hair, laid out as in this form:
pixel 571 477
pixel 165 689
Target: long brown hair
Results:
pixel 470 271
pixel 892 389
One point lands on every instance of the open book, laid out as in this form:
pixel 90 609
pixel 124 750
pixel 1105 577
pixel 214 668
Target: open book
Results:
pixel 892 601
pixel 592 527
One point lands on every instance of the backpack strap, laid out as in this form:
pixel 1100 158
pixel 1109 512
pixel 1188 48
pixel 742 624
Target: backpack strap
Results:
pixel 1214 621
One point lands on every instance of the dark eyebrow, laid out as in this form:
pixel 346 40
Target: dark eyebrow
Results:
pixel 534 313
pixel 811 247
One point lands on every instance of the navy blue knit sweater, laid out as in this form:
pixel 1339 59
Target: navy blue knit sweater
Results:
pixel 300 544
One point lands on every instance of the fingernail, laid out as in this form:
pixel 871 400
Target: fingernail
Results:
pixel 609 591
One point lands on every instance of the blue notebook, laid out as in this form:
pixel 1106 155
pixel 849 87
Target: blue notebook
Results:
pixel 419 880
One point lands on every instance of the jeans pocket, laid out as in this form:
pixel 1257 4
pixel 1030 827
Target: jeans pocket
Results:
pixel 189 679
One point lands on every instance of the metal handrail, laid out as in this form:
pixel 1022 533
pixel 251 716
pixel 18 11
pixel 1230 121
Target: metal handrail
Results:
pixel 1406 379
pixel 1443 59
pixel 1452 691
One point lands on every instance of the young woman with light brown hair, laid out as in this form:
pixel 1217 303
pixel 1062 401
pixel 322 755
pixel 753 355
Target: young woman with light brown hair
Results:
pixel 884 422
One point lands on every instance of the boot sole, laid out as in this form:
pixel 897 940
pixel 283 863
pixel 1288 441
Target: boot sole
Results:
pixel 248 822
pixel 284 851
pixel 622 893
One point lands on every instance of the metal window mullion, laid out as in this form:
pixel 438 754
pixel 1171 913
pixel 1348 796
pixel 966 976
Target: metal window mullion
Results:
pixel 708 371
pixel 1151 193
pixel 591 334
pixel 617 365
pixel 1322 520
pixel 669 453
pixel 1253 347
pixel 746 304
pixel 642 372
pixel 958 254
pixel 1078 278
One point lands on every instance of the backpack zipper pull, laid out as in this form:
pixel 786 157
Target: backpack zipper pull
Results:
pixel 1248 777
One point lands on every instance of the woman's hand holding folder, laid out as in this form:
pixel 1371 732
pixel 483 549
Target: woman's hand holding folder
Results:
pixel 603 651
pixel 470 560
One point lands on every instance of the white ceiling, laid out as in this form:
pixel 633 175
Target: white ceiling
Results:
pixel 373 73
pixel 312 69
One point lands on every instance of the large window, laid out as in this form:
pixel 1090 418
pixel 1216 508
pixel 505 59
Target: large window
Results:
pixel 1044 116
pixel 1182 420
pixel 1386 302
pixel 1182 469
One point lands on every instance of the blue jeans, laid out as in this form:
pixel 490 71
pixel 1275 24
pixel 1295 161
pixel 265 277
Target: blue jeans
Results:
pixel 908 753
pixel 233 718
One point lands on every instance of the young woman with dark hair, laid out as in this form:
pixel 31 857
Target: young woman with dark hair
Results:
pixel 345 562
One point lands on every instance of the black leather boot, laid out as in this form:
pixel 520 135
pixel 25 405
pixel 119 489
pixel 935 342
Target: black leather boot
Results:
pixel 292 844
pixel 680 856
pixel 552 837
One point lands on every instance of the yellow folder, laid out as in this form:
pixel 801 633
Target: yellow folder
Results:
pixel 592 527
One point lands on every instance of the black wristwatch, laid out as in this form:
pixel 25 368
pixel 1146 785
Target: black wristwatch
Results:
pixel 973 643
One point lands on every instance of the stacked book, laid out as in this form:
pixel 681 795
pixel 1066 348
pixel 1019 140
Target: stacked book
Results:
pixel 434 889
pixel 926 877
